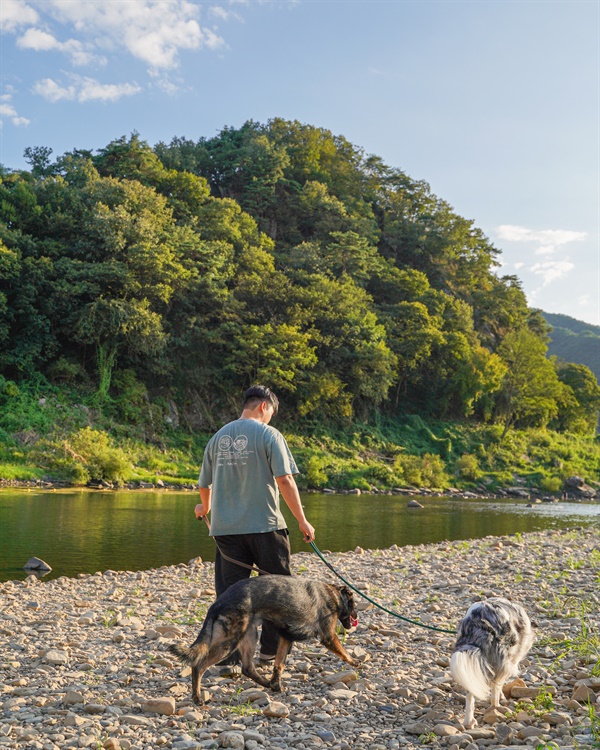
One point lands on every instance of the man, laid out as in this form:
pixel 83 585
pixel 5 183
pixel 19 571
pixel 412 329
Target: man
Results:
pixel 246 464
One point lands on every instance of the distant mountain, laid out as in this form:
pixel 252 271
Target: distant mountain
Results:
pixel 575 341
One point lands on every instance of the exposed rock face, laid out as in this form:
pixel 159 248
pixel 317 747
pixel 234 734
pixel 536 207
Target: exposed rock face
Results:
pixel 576 485
pixel 517 492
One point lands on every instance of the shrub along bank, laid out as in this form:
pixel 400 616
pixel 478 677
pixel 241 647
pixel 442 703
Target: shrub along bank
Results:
pixel 46 434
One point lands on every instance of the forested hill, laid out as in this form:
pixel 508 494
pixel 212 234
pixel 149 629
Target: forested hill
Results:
pixel 574 341
pixel 158 283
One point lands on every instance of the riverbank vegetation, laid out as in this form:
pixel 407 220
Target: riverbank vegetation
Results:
pixel 46 434
pixel 143 289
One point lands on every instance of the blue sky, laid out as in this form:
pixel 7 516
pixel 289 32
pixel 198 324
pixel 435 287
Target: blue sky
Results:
pixel 495 104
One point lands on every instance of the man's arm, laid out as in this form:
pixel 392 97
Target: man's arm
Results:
pixel 289 490
pixel 203 508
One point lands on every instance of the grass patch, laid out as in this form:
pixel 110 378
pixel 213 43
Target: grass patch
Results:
pixel 23 473
pixel 584 645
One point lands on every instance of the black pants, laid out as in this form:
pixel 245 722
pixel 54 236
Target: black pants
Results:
pixel 270 552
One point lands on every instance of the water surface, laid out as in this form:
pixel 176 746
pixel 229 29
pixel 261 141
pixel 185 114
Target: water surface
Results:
pixel 83 532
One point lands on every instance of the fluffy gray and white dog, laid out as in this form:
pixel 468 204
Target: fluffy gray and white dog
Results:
pixel 493 637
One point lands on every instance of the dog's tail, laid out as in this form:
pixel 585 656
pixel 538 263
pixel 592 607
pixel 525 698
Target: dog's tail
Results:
pixel 469 669
pixel 191 655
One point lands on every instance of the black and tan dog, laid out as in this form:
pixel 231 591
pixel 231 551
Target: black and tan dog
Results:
pixel 299 609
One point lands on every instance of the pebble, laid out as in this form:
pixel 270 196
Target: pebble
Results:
pixel 163 706
pixel 56 657
pixel 232 739
pixel 583 694
pixel 445 730
pixel 276 709
pixel 342 694
pixel 345 676
pixel 72 697
pixel 504 734
pixel 326 735
pixel 89 666
pixel 529 732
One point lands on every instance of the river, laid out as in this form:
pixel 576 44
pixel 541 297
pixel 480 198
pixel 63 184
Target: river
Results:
pixel 84 532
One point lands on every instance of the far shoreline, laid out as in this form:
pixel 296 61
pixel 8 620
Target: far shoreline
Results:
pixel 533 494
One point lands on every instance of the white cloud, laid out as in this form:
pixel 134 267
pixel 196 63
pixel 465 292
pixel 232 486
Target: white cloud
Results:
pixel 217 11
pixel 8 93
pixel 545 250
pixel 552 270
pixel 584 300
pixel 548 236
pixel 154 31
pixel 15 13
pixel 9 112
pixel 38 40
pixel 41 41
pixel 91 90
pixel 549 239
pixel 83 89
pixel 52 91
pixel 518 265
pixel 168 86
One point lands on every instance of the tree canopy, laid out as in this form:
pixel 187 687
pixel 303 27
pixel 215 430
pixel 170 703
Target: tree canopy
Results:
pixel 275 252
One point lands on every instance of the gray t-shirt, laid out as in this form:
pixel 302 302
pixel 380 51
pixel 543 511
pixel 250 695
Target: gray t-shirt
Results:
pixel 241 462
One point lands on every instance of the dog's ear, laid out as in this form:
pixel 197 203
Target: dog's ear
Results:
pixel 345 592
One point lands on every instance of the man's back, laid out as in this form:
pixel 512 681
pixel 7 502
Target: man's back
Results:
pixel 241 462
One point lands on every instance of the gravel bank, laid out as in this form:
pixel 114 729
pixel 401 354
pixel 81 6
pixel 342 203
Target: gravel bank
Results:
pixel 84 662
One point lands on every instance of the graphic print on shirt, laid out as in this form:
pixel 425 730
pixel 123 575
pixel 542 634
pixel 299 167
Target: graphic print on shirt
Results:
pixel 224 443
pixel 240 443
pixel 232 452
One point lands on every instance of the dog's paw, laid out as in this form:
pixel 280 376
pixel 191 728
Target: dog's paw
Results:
pixel 359 656
pixel 201 697
pixel 470 724
pixel 275 686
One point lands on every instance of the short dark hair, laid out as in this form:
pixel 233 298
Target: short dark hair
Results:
pixel 259 393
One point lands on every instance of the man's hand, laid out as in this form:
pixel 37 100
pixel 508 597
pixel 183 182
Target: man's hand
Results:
pixel 289 490
pixel 203 508
pixel 308 531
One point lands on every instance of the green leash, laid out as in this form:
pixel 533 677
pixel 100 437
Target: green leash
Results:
pixel 368 598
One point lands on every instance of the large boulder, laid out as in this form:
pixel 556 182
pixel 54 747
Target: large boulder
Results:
pixel 35 563
pixel 574 481
pixel 517 492
pixel 576 486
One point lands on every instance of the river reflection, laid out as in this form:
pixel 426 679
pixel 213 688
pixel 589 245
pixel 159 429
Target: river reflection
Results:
pixel 83 532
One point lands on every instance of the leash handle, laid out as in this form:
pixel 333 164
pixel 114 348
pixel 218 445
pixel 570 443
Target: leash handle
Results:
pixel 206 521
pixel 368 598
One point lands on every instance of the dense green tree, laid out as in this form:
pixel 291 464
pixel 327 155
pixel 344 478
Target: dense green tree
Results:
pixel 9 274
pixel 531 388
pixel 350 341
pixel 39 159
pixel 581 401
pixel 276 251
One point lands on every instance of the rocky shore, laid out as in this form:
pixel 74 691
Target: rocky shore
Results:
pixel 575 490
pixel 84 662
